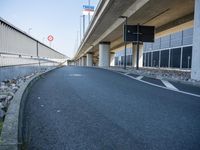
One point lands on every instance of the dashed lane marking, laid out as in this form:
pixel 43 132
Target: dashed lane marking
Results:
pixel 169 85
pixel 187 93
pixel 140 77
pixel 126 73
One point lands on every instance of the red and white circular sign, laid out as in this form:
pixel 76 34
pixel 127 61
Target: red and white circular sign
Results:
pixel 50 38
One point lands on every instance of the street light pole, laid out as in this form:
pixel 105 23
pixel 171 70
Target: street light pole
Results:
pixel 125 43
pixel 80 28
pixel 138 46
pixel 89 13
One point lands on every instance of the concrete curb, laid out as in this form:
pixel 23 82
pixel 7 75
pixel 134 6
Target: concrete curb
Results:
pixel 11 135
pixel 161 78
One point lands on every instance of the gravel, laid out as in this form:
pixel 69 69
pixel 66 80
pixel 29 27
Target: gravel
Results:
pixel 8 88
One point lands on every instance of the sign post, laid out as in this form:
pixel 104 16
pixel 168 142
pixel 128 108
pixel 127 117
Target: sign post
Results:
pixel 50 39
pixel 138 33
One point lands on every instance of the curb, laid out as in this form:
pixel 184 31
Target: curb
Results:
pixel 161 78
pixel 11 135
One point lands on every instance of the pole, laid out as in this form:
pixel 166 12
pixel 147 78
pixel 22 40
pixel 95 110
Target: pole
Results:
pixel 77 38
pixel 125 45
pixel 83 25
pixel 138 46
pixel 38 54
pixel 89 13
pixel 80 29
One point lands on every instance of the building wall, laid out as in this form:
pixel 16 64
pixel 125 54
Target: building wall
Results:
pixel 16 42
pixel 172 50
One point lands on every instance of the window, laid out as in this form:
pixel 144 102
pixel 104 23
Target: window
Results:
pixel 116 61
pixel 144 60
pixel 165 42
pixel 176 39
pixel 187 36
pixel 156 59
pixel 175 57
pixel 164 58
pixel 129 60
pixel 187 57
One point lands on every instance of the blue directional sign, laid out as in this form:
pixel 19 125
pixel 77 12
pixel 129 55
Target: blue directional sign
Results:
pixel 88 8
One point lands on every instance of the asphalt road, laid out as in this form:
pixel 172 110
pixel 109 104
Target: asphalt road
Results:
pixel 77 108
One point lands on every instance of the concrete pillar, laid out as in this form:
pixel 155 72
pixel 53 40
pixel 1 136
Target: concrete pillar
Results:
pixel 104 54
pixel 89 59
pixel 83 61
pixel 195 70
pixel 112 59
pixel 134 53
pixel 79 62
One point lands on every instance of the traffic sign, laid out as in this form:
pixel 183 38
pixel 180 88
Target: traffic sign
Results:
pixel 50 38
pixel 145 33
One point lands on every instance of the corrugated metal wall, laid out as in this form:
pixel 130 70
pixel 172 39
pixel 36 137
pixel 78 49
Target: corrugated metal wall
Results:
pixel 15 45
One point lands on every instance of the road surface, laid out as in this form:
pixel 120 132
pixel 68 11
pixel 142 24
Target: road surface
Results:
pixel 80 108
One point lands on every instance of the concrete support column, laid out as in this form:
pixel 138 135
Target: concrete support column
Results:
pixel 112 59
pixel 79 61
pixel 89 59
pixel 104 54
pixel 134 53
pixel 195 71
pixel 83 61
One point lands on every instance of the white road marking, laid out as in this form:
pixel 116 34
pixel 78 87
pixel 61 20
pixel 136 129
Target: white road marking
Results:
pixel 75 75
pixel 42 105
pixel 169 85
pixel 139 77
pixel 187 93
pixel 38 97
pixel 58 111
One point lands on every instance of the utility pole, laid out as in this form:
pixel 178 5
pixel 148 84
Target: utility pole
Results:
pixel 89 13
pixel 80 28
pixel 83 25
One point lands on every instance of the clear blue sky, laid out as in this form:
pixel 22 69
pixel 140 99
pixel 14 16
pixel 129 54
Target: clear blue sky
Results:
pixel 61 18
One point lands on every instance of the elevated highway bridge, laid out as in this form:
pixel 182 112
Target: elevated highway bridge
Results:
pixel 172 18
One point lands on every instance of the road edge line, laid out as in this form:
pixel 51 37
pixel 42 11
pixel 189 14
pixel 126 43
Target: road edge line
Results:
pixel 182 92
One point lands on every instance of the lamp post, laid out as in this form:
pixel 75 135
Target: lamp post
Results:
pixel 126 20
pixel 89 13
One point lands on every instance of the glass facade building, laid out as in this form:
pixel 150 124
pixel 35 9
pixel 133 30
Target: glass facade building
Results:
pixel 170 51
pixel 174 51
pixel 119 57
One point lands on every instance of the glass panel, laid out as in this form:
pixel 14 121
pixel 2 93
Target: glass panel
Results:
pixel 156 44
pixel 164 58
pixel 175 57
pixel 188 36
pixel 144 59
pixel 116 61
pixel 176 39
pixel 187 57
pixel 165 41
pixel 156 59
